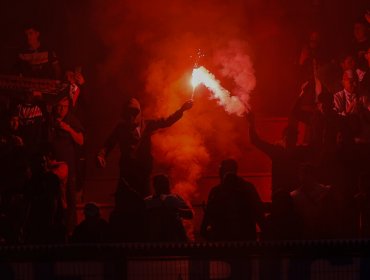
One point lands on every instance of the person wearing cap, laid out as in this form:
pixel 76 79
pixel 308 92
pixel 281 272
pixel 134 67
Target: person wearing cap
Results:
pixel 133 135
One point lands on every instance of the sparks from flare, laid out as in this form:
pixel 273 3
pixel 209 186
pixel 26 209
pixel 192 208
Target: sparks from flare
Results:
pixel 232 104
pixel 199 54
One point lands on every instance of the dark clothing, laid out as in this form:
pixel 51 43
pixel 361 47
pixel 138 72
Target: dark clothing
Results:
pixel 38 63
pixel 232 211
pixel 285 162
pixel 43 223
pixel 91 231
pixel 358 50
pixel 365 83
pixel 128 219
pixel 164 220
pixel 136 160
pixel 63 147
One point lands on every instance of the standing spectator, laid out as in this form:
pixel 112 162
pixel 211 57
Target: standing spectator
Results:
pixel 36 60
pixel 133 134
pixel 234 207
pixel 165 212
pixel 66 134
pixel 285 157
pixel 93 229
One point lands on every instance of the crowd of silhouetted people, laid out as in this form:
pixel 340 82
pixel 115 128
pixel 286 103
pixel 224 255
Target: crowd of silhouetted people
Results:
pixel 320 186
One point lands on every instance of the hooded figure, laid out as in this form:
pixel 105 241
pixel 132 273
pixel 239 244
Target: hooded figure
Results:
pixel 133 135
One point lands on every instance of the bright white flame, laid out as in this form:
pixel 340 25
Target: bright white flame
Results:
pixel 232 104
pixel 196 78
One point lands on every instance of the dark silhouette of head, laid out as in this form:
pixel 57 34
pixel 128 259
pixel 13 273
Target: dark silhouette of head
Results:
pixel 228 166
pixel 91 211
pixel 161 184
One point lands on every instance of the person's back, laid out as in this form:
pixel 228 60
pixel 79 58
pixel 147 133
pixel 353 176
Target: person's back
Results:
pixel 127 220
pixel 164 222
pixel 233 210
pixel 165 212
pixel 92 229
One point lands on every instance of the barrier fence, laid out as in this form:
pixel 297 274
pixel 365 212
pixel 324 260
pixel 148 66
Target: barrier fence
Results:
pixel 326 259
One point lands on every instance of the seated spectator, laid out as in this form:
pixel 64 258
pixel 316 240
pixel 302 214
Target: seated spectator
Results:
pixel 93 229
pixel 165 212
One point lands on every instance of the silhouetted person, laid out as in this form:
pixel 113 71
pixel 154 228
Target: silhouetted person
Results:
pixel 285 158
pixel 283 223
pixel 66 135
pixel 233 207
pixel 133 135
pixel 165 212
pixel 44 218
pixel 311 201
pixel 14 167
pixel 93 229
pixel 128 219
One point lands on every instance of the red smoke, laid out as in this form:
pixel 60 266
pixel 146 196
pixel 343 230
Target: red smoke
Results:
pixel 158 39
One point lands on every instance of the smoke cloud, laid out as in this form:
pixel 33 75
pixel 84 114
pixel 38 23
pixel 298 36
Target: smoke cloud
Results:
pixel 152 44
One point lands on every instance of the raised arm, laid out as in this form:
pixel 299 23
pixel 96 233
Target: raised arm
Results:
pixel 262 145
pixel 170 120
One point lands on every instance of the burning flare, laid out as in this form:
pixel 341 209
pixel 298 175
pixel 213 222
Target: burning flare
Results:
pixel 232 104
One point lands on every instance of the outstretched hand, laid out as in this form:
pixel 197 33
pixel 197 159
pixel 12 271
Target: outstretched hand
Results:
pixel 187 105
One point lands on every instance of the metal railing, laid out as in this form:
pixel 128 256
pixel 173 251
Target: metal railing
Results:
pixel 325 259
